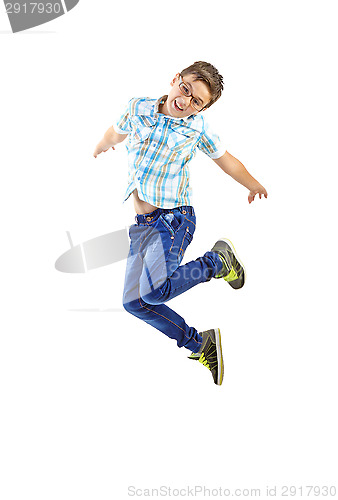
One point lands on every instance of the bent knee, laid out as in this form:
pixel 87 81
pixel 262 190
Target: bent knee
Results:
pixel 153 298
pixel 133 307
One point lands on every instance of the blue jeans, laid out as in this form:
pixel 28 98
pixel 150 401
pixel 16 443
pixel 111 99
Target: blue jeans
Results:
pixel 158 241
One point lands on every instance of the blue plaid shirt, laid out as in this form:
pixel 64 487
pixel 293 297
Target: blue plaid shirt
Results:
pixel 159 151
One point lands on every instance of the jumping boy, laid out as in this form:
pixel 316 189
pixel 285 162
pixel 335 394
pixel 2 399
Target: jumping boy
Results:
pixel 163 136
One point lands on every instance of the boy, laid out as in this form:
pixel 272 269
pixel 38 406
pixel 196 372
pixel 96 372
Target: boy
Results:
pixel 163 137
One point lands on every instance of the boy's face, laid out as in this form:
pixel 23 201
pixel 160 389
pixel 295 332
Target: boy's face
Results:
pixel 179 105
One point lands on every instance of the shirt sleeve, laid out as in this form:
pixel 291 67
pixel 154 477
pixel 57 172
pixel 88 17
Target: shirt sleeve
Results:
pixel 123 125
pixel 211 144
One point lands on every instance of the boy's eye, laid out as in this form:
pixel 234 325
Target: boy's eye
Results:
pixel 185 89
pixel 196 102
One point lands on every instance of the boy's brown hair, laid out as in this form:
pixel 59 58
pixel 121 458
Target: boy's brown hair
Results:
pixel 207 73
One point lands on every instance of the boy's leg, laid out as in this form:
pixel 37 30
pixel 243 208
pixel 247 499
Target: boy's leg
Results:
pixel 157 248
pixel 144 238
pixel 153 276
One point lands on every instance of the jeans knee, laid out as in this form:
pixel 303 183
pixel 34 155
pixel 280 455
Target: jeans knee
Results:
pixel 133 307
pixel 155 297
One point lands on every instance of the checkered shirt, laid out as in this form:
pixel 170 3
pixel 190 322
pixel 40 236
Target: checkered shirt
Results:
pixel 159 151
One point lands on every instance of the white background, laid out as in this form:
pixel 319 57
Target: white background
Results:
pixel 93 400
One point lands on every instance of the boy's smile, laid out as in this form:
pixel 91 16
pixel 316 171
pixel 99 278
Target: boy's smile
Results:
pixel 179 105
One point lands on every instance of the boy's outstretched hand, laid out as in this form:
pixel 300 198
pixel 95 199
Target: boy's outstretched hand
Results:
pixel 99 150
pixel 110 139
pixel 233 167
pixel 260 190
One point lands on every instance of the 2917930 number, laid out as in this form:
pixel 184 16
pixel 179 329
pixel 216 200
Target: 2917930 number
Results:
pixel 33 8
pixel 307 491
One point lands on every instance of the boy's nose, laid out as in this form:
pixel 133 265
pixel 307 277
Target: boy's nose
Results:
pixel 184 101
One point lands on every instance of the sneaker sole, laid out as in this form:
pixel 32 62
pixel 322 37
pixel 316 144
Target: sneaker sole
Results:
pixel 226 240
pixel 219 356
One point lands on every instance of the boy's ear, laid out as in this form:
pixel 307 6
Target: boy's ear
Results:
pixel 176 77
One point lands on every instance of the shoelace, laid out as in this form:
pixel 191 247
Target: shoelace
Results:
pixel 204 361
pixel 232 275
pixel 225 266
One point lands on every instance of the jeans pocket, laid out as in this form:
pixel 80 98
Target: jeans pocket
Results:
pixel 186 240
pixel 171 221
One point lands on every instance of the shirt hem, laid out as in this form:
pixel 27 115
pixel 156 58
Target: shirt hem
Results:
pixel 169 205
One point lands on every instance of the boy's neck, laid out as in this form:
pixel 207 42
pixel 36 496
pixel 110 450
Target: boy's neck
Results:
pixel 163 106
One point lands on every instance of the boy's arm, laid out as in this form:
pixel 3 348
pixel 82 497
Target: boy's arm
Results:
pixel 110 139
pixel 233 167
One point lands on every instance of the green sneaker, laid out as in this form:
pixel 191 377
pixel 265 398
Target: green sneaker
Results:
pixel 233 270
pixel 210 354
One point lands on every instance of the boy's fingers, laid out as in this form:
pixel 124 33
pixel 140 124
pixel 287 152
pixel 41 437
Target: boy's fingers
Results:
pixel 103 151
